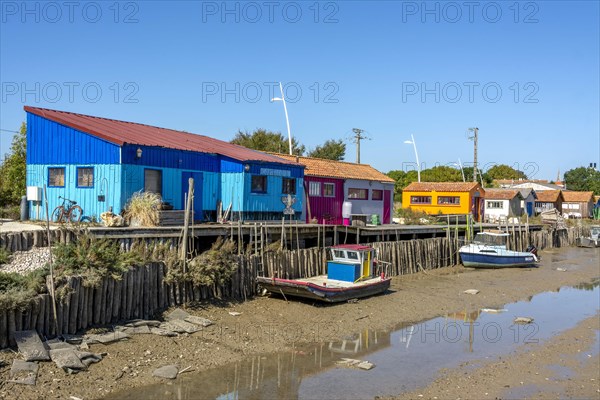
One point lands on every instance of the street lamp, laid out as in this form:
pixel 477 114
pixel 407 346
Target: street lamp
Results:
pixel 461 169
pixel 416 155
pixel 287 120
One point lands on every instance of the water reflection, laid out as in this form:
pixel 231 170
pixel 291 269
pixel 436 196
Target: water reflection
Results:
pixel 406 357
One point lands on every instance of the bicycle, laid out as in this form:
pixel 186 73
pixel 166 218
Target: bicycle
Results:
pixel 68 211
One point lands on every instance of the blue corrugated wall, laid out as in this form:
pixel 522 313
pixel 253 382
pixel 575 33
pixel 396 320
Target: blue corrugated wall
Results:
pixel 169 158
pixel 107 181
pixel 133 181
pixel 49 142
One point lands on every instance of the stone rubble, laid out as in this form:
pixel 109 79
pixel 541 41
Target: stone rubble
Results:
pixel 23 262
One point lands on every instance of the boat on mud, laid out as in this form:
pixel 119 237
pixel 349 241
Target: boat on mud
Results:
pixel 352 272
pixel 488 250
pixel 592 241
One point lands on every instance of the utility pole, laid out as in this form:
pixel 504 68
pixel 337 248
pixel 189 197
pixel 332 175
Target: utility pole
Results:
pixel 474 138
pixel 357 138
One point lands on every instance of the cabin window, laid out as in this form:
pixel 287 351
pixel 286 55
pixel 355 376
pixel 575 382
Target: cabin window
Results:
pixel 450 200
pixel 339 254
pixel 358 194
pixel 314 189
pixel 56 177
pixel 377 194
pixel 153 181
pixel 288 186
pixel 571 206
pixel 352 255
pixel 329 189
pixel 85 177
pixel 420 199
pixel 259 184
pixel 494 205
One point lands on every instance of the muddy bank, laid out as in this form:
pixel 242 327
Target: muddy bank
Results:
pixel 566 366
pixel 271 324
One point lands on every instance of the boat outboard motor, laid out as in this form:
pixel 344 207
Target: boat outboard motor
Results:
pixel 532 249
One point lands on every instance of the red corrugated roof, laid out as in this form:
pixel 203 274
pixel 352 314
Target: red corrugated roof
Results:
pixel 121 132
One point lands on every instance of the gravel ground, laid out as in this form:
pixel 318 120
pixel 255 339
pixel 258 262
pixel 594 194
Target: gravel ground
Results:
pixel 26 261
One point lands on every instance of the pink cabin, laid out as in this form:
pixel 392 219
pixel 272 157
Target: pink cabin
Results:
pixel 328 184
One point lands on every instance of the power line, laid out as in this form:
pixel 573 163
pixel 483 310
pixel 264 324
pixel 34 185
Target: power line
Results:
pixel 6 130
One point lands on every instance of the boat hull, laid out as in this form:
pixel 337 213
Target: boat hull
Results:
pixel 309 290
pixel 587 242
pixel 478 260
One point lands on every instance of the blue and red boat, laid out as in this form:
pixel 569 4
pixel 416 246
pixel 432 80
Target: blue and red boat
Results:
pixel 352 272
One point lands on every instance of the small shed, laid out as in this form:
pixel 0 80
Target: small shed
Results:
pixel 549 199
pixel 578 204
pixel 528 203
pixel 501 204
pixel 445 198
pixel 329 183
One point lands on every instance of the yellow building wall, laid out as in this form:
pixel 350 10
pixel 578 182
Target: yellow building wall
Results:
pixel 434 208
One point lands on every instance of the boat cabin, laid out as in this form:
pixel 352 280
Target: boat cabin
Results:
pixel 491 239
pixel 351 263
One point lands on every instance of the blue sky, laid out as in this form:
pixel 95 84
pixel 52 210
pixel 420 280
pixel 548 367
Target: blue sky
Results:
pixel 526 74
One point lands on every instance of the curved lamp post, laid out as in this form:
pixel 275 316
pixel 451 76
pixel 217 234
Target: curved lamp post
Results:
pixel 462 171
pixel 416 155
pixel 287 120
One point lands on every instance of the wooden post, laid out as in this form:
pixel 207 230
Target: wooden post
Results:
pixel 188 205
pixel 50 261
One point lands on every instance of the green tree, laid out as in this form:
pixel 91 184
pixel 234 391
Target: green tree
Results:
pixel 441 174
pixel 403 179
pixel 583 179
pixel 330 150
pixel 504 171
pixel 264 140
pixel 12 170
pixel 487 180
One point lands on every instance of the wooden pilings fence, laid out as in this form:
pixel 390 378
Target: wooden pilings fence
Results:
pixel 142 292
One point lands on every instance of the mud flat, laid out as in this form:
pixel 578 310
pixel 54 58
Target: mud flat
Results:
pixel 290 329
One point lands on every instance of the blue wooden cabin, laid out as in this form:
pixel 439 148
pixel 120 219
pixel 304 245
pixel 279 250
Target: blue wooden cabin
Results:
pixel 100 163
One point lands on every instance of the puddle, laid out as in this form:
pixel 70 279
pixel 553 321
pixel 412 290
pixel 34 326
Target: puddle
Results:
pixel 561 372
pixel 405 358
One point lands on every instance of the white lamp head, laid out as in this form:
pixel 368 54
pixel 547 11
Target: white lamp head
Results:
pixel 276 99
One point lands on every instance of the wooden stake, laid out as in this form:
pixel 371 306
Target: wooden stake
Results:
pixel 50 262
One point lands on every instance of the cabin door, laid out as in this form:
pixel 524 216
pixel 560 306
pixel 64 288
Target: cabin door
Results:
pixel 197 200
pixel 387 206
pixel 367 262
pixel 530 209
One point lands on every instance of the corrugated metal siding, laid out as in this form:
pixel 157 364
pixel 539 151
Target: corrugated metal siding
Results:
pixel 270 201
pixel 232 190
pixel 169 158
pixel 229 165
pixel 107 181
pixel 133 181
pixel 328 208
pixel 49 142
